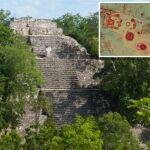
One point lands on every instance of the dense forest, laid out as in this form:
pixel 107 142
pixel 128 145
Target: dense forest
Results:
pixel 125 81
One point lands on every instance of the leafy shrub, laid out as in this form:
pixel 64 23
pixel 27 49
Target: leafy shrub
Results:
pixel 40 137
pixel 123 80
pixel 10 141
pixel 143 112
pixel 148 145
pixel 116 133
pixel 83 134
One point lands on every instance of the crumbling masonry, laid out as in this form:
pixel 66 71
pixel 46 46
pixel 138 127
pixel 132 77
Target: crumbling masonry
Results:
pixel 67 69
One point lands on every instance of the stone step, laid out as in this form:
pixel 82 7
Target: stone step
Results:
pixel 59 73
pixel 67 103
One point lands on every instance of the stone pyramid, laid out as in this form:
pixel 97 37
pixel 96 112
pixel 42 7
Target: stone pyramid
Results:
pixel 67 69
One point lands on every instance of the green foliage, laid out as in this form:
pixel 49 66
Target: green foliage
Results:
pixel 10 141
pixel 19 77
pixel 43 103
pixel 4 16
pixel 125 79
pixel 143 112
pixel 6 36
pixel 83 29
pixel 69 23
pixel 116 133
pixel 42 138
pixel 148 145
pixel 83 134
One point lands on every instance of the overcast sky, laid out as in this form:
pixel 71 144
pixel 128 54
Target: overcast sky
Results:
pixel 48 8
pixel 52 8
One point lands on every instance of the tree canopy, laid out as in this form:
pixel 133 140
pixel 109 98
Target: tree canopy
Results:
pixel 123 80
pixel 83 29
pixel 116 133
pixel 19 76
pixel 82 134
pixel 143 110
pixel 4 16
pixel 11 141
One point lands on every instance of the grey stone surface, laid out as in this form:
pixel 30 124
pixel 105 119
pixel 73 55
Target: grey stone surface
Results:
pixel 67 69
pixel 68 103
pixel 28 27
pixel 69 73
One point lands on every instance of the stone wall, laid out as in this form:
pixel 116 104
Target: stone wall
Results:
pixel 67 69
pixel 28 27
pixel 60 46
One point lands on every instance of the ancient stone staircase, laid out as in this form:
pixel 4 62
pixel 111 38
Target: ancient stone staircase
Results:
pixel 67 70
pixel 59 73
pixel 64 91
pixel 39 43
pixel 68 103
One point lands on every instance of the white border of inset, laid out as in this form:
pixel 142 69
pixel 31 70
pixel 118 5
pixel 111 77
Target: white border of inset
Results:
pixel 118 2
